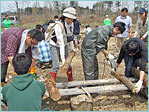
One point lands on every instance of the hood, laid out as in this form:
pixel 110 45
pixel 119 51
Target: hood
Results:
pixel 21 82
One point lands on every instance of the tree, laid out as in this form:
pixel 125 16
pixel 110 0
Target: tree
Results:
pixel 118 4
pixel 137 5
pixel 74 4
pixel 108 4
pixel 18 10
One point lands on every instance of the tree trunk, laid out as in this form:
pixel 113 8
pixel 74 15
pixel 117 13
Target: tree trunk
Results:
pixel 136 73
pixel 124 80
pixel 67 63
pixel 81 103
pixel 18 11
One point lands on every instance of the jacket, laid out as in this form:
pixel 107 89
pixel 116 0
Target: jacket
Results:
pixel 24 93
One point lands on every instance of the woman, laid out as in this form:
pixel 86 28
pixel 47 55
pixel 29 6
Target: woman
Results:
pixel 142 26
pixel 63 31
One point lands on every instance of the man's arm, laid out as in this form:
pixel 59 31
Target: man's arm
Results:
pixel 105 52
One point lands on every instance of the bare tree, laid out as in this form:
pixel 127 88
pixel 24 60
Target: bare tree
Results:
pixel 118 4
pixel 18 10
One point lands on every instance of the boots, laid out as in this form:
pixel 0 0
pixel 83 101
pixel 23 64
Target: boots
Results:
pixel 51 87
pixel 69 74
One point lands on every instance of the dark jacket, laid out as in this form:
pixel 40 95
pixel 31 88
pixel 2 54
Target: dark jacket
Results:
pixel 24 93
pixel 142 54
pixel 76 30
pixel 97 39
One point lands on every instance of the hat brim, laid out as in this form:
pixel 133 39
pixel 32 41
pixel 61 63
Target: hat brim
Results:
pixel 69 15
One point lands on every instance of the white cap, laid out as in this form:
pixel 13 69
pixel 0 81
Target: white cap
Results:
pixel 70 12
pixel 107 15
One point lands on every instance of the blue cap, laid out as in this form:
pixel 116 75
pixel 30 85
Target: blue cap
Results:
pixel 142 10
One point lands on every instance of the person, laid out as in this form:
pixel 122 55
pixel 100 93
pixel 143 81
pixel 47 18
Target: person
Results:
pixel 45 26
pixel 17 40
pixel 87 29
pixel 7 23
pixel 63 31
pixel 56 18
pixel 132 51
pixel 23 93
pixel 76 31
pixel 107 21
pixel 142 26
pixel 95 42
pixel 128 32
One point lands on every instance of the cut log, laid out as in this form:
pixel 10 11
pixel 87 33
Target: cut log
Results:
pixel 64 68
pixel 97 89
pixel 81 103
pixel 89 82
pixel 136 73
pixel 124 80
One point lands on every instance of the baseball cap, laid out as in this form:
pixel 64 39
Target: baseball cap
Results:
pixel 142 10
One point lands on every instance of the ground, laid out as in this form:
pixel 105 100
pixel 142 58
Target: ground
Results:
pixel 114 101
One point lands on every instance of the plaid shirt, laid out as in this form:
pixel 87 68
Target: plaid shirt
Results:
pixel 10 42
pixel 44 51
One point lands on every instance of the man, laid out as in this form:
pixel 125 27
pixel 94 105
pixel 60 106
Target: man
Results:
pixel 95 42
pixel 56 18
pixel 134 51
pixel 17 40
pixel 7 23
pixel 23 93
pixel 128 32
pixel 107 21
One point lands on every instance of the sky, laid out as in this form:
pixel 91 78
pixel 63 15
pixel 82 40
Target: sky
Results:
pixel 9 5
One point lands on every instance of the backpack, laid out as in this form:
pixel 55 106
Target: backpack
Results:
pixel 50 32
pixel 76 29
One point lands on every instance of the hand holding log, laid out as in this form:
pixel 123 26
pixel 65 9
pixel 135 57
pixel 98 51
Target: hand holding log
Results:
pixel 64 68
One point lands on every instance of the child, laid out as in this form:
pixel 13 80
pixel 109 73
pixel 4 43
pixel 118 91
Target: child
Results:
pixel 23 93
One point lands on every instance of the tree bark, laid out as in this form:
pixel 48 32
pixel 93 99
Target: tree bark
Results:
pixel 136 73
pixel 125 81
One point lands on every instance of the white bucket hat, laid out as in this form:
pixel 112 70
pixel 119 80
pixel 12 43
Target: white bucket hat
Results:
pixel 70 12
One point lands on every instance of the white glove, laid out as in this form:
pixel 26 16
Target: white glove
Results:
pixel 110 56
pixel 138 86
pixel 63 61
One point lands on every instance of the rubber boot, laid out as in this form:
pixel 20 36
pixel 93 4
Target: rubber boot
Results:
pixel 51 87
pixel 53 74
pixel 69 74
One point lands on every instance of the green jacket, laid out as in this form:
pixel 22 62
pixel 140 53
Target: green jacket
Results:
pixel 7 24
pixel 24 93
pixel 107 21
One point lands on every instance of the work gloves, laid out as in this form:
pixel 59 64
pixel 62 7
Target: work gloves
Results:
pixel 110 57
pixel 138 86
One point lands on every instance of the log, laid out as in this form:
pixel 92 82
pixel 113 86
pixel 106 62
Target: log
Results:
pixel 136 73
pixel 97 89
pixel 124 80
pixel 81 103
pixel 64 68
pixel 89 82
